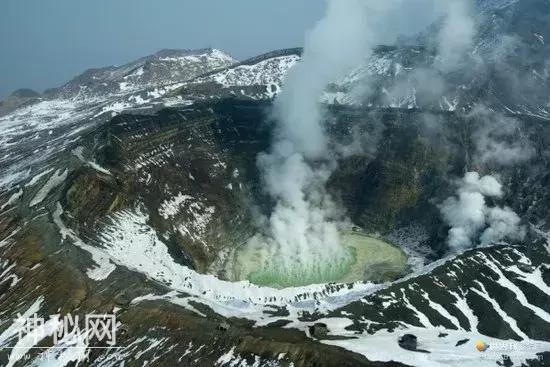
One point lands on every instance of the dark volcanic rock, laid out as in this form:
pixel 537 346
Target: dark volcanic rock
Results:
pixel 409 342
pixel 319 330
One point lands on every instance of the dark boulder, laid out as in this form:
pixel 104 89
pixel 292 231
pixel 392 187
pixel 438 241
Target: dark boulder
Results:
pixel 224 326
pixel 408 342
pixel 319 330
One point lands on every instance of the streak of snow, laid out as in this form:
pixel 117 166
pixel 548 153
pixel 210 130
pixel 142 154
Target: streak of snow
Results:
pixel 13 198
pixel 37 177
pixel 508 319
pixel 55 180
pixel 103 267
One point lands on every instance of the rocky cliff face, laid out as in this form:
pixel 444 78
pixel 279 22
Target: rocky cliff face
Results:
pixel 128 188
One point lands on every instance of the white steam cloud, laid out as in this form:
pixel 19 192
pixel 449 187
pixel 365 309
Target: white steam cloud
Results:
pixel 472 221
pixel 498 139
pixel 456 35
pixel 336 44
pixel 302 234
pixel 454 43
pixel 301 238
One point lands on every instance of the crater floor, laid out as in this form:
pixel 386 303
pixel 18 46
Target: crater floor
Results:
pixel 369 259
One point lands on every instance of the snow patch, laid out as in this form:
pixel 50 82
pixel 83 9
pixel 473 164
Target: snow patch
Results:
pixel 54 181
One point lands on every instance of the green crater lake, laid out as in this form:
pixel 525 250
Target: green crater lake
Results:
pixel 368 259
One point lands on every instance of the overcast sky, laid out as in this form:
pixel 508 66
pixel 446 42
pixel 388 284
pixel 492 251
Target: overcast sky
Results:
pixel 44 43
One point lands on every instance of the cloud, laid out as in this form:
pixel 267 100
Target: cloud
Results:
pixel 504 223
pixel 303 229
pixel 486 185
pixel 468 214
pixel 457 34
pixel 498 139
pixel 304 226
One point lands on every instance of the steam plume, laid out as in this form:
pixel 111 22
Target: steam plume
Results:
pixel 302 235
pixel 302 238
pixel 457 34
pixel 498 138
pixel 471 219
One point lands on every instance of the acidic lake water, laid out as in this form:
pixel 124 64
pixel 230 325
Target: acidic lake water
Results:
pixel 369 259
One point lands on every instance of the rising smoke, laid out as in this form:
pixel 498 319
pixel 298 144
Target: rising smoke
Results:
pixel 453 39
pixel 498 139
pixel 302 239
pixel 302 236
pixel 498 142
pixel 456 35
pixel 472 221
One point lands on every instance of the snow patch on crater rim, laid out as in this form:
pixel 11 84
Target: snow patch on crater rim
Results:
pixel 197 215
pixel 266 72
pixel 172 207
pixel 54 181
pixel 129 241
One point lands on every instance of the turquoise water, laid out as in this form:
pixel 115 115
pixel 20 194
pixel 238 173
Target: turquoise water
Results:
pixel 279 274
pixel 269 266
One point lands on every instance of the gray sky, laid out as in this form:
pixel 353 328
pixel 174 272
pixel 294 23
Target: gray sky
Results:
pixel 44 43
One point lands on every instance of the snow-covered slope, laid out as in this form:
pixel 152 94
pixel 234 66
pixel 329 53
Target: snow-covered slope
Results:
pixel 164 67
pixel 117 213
